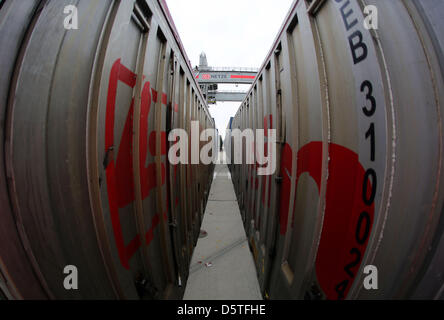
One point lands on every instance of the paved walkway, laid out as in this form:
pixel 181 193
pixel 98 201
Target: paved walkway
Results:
pixel 222 267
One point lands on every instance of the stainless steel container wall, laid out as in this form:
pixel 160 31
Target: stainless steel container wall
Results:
pixel 358 115
pixel 87 183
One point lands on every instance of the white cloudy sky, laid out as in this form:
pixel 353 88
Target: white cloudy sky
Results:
pixel 232 33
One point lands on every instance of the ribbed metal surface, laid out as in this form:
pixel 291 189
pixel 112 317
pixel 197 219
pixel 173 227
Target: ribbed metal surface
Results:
pixel 358 115
pixel 87 180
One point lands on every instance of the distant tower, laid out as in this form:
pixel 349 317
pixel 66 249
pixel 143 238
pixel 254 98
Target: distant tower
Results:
pixel 203 63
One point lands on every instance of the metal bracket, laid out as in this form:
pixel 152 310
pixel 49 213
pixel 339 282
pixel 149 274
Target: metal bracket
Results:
pixel 109 156
pixel 314 293
pixel 145 288
pixel 173 224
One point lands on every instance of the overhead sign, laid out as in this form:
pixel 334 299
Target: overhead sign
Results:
pixel 223 76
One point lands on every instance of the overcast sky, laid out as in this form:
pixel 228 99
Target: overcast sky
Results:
pixel 232 33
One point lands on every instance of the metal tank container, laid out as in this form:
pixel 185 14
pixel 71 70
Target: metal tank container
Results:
pixel 358 115
pixel 87 183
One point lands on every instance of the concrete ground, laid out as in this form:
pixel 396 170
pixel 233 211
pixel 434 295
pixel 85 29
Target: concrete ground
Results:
pixel 222 267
